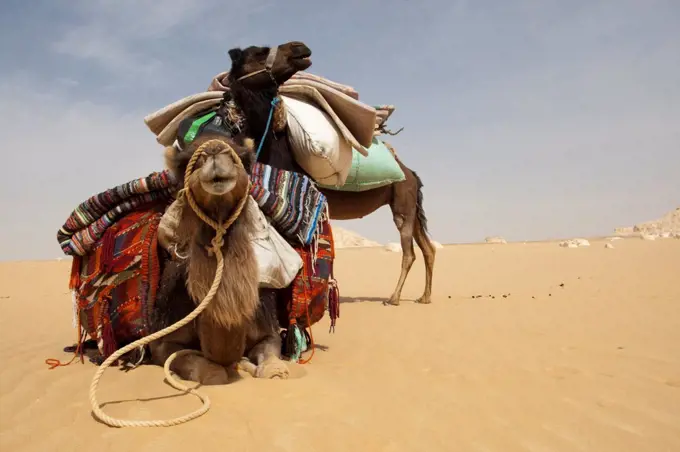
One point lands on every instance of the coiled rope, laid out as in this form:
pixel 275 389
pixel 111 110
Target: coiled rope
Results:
pixel 217 242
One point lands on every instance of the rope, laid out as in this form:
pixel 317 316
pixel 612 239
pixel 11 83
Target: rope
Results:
pixel 217 242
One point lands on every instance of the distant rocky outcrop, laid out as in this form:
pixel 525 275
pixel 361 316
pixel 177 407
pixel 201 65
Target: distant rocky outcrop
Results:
pixel 393 247
pixel 348 239
pixel 664 227
pixel 574 243
pixel 497 240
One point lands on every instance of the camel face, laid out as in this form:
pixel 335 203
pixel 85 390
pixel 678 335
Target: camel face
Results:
pixel 291 57
pixel 218 181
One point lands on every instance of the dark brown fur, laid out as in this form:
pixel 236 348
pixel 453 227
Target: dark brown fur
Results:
pixel 253 96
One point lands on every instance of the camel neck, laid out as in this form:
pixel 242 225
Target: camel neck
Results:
pixel 255 107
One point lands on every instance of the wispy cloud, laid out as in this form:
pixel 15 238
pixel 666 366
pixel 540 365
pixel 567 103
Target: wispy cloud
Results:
pixel 119 34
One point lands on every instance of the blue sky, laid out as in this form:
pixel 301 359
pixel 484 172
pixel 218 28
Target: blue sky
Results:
pixel 527 119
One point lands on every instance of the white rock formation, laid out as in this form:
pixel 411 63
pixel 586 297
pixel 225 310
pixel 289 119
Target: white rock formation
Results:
pixel 608 245
pixel 574 243
pixel 393 247
pixel 496 239
pixel 669 223
pixel 437 245
pixel 648 236
pixel 348 239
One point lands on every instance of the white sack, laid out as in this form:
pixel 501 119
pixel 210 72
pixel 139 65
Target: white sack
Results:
pixel 316 142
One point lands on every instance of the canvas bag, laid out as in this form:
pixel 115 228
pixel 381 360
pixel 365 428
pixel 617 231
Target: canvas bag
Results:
pixel 380 168
pixel 277 261
pixel 316 142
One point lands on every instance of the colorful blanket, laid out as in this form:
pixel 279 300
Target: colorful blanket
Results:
pixel 115 285
pixel 290 200
pixel 313 290
pixel 89 221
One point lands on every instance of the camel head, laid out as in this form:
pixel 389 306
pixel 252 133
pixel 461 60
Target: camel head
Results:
pixel 259 67
pixel 218 181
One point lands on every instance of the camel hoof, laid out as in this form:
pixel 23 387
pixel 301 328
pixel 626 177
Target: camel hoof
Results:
pixel 424 300
pixel 391 302
pixel 273 368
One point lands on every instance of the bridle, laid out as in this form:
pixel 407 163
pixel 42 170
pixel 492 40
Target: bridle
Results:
pixel 268 65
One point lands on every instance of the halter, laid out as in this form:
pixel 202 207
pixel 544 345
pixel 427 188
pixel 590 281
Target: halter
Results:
pixel 268 64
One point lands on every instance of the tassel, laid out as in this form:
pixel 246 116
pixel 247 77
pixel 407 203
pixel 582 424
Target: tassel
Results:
pixel 333 303
pixel 74 281
pixel 76 309
pixel 108 245
pixel 108 339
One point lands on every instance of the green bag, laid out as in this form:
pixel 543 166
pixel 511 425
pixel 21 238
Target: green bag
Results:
pixel 380 168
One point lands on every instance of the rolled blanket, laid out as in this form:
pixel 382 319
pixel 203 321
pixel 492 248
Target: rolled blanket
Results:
pixel 290 200
pixel 356 120
pixel 220 83
pixel 89 221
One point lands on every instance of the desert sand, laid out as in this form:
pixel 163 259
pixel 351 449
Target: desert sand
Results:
pixel 526 347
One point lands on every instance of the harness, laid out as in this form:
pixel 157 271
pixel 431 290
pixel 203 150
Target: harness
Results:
pixel 268 65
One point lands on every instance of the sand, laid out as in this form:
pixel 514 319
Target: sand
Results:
pixel 592 365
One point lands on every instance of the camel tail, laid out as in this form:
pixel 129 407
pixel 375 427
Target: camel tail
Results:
pixel 420 211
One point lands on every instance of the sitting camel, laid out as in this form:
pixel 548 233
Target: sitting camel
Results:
pixel 241 321
pixel 254 84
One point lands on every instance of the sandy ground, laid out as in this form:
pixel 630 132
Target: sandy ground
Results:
pixel 592 365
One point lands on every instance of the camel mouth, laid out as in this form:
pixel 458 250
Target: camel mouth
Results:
pixel 303 60
pixel 219 185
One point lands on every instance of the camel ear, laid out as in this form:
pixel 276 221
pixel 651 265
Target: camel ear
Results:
pixel 175 161
pixel 236 55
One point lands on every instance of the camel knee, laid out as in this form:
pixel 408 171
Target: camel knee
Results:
pixel 408 259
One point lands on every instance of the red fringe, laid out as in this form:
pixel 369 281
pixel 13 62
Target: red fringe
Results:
pixel 333 303
pixel 74 281
pixel 108 245
pixel 151 267
pixel 109 339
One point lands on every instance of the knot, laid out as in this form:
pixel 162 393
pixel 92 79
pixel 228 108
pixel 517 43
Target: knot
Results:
pixel 217 242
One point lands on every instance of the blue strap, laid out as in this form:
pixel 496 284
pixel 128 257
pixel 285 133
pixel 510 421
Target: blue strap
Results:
pixel 266 129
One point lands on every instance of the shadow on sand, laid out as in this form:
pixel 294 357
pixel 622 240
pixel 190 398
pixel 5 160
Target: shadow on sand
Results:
pixel 363 300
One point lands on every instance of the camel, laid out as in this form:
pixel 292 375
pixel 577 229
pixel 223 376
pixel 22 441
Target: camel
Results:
pixel 241 321
pixel 255 75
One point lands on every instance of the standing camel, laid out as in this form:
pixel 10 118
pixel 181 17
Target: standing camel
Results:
pixel 240 321
pixel 255 75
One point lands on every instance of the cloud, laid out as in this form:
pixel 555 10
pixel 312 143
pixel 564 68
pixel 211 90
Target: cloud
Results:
pixel 120 36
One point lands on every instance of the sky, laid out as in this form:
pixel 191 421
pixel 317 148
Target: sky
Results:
pixel 529 119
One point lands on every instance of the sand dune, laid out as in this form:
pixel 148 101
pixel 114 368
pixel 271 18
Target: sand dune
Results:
pixel 525 347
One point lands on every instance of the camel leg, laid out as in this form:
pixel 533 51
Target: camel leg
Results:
pixel 266 359
pixel 190 367
pixel 408 256
pixel 428 255
pixel 264 354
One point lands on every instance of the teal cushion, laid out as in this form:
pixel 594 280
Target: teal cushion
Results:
pixel 380 168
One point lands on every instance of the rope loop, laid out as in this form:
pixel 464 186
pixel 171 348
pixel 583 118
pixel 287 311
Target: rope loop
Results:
pixel 217 243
